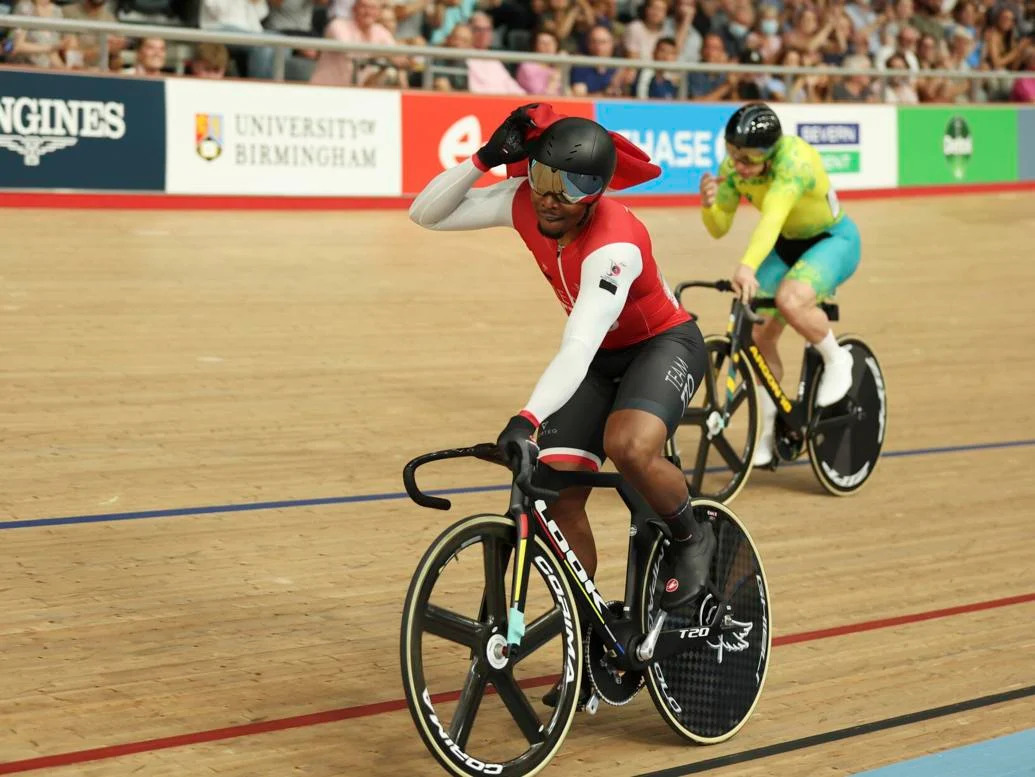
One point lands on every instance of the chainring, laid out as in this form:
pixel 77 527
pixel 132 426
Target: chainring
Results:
pixel 614 686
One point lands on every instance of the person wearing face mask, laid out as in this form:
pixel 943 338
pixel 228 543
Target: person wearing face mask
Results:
pixel 734 34
pixel 89 42
pixel 769 29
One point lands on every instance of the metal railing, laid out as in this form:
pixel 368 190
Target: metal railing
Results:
pixel 284 43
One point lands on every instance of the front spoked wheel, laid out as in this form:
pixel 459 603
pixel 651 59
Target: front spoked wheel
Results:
pixel 845 439
pixel 715 441
pixel 708 692
pixel 469 699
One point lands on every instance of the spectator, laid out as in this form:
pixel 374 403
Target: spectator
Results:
pixel 642 34
pixel 961 44
pixel 335 68
pixel 898 16
pixel 482 32
pixel 965 15
pixel 241 16
pixel 150 57
pixel 795 89
pixel 768 28
pixel 210 61
pixel 659 84
pixel 1004 50
pixel 41 48
pixel 455 79
pixel 836 47
pixel 712 15
pixel 899 90
pixel 487 76
pixel 597 13
pixel 734 34
pixel 338 9
pixel 926 19
pixel 559 18
pixel 1004 47
pixel 866 22
pixel 807 88
pixel 905 44
pixel 1024 88
pixel 807 35
pixel 688 38
pixel 407 69
pixel 857 88
pixel 586 80
pixel 748 86
pixel 930 57
pixel 711 86
pixel 539 78
pixel 294 17
pixel 409 20
pixel 290 17
pixel 89 43
pixel 445 15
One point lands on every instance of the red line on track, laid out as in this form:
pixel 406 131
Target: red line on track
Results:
pixel 393 705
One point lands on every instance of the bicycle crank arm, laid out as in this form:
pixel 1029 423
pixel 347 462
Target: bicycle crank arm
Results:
pixel 675 641
pixel 834 422
pixel 645 650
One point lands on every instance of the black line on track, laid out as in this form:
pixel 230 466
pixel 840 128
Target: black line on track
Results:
pixel 758 753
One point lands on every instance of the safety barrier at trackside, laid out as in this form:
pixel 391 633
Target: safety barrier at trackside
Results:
pixel 197 138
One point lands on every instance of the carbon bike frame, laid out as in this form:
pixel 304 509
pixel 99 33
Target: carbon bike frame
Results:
pixel 529 499
pixel 793 412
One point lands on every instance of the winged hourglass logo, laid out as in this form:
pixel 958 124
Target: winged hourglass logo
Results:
pixel 32 147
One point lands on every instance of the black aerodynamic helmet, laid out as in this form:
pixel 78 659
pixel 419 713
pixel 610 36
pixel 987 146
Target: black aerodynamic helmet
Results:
pixel 574 158
pixel 754 125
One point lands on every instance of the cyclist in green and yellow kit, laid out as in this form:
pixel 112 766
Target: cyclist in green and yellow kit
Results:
pixel 803 248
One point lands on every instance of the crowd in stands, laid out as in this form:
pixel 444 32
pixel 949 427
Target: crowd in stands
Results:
pixel 913 35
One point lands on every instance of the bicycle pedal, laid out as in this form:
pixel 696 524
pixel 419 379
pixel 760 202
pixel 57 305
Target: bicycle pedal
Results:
pixel 592 704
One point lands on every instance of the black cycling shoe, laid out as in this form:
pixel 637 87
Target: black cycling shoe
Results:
pixel 689 565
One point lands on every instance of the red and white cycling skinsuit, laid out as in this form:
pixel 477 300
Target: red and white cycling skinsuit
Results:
pixel 606 279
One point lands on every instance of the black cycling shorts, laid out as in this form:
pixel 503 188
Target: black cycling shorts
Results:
pixel 658 375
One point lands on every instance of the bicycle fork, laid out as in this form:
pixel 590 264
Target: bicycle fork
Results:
pixel 519 584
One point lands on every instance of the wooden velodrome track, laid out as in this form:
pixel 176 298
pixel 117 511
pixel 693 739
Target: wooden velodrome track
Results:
pixel 181 390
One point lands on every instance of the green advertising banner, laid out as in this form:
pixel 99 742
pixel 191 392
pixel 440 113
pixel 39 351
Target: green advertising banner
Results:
pixel 956 145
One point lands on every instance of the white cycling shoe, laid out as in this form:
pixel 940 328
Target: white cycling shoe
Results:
pixel 836 379
pixel 765 448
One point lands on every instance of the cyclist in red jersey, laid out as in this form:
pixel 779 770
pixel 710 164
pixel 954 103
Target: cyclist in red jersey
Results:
pixel 630 357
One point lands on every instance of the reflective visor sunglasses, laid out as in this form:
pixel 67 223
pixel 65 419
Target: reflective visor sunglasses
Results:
pixel 749 156
pixel 569 187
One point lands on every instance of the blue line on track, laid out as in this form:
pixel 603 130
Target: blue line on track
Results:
pixel 1005 756
pixel 336 500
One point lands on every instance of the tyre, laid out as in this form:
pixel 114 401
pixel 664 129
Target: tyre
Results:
pixel 454 636
pixel 715 441
pixel 845 439
pixel 707 693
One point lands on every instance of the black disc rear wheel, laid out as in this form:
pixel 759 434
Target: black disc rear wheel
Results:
pixel 846 438
pixel 707 693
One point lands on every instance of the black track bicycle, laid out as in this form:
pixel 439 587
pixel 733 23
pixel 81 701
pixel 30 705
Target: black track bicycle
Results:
pixel 720 427
pixel 500 606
